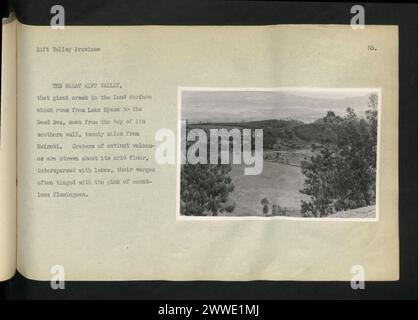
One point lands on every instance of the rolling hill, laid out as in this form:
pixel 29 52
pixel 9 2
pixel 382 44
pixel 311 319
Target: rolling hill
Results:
pixel 280 134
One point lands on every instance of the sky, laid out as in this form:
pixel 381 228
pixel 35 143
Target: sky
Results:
pixel 306 105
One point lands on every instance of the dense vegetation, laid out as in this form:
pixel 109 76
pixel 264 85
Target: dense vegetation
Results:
pixel 342 175
pixel 205 189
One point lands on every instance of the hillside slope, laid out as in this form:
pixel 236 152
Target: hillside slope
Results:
pixel 365 212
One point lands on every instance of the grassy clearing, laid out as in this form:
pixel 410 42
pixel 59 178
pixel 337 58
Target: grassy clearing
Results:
pixel 279 183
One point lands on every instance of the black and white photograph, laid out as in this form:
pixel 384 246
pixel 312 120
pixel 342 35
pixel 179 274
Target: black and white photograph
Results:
pixel 319 153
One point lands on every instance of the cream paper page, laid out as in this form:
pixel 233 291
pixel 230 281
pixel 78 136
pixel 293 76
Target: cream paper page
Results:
pixel 8 152
pixel 91 101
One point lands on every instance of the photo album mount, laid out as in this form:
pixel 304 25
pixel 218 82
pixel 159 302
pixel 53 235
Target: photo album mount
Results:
pixel 234 153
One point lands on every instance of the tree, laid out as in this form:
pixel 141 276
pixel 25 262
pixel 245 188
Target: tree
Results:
pixel 331 117
pixel 318 183
pixel 371 116
pixel 373 101
pixel 265 203
pixel 342 176
pixel 205 189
